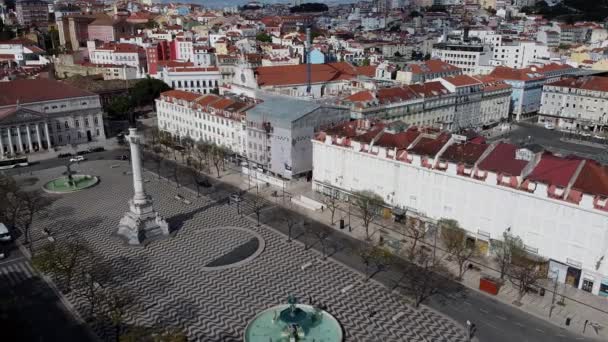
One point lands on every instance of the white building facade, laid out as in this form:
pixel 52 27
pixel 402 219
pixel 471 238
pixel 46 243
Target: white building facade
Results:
pixel 567 225
pixel 195 79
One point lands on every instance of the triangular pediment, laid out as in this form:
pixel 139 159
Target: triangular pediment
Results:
pixel 20 115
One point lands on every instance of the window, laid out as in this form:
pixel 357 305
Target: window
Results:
pixel 77 123
pixel 58 126
pixel 66 124
pixel 86 122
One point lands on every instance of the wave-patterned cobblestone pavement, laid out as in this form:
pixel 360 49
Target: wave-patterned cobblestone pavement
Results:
pixel 213 306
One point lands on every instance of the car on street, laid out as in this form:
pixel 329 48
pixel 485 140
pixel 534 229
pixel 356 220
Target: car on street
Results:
pixel 77 159
pixel 64 155
pixel 550 126
pixel 235 198
pixel 122 157
pixel 5 234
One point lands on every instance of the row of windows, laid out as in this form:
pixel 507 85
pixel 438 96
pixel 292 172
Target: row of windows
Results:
pixel 66 124
pixel 195 84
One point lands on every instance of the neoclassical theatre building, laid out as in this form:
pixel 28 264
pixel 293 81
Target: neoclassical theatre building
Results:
pixel 39 114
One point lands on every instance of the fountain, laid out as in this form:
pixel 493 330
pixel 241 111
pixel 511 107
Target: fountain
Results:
pixel 293 322
pixel 71 182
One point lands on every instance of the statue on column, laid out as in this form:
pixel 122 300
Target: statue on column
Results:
pixel 141 223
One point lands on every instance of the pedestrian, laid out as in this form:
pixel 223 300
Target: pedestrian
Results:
pixel 322 207
pixel 309 299
pixel 372 313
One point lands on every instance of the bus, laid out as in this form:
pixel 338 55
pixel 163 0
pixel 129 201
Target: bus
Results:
pixel 13 163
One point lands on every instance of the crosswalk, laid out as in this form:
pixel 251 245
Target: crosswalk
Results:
pixel 14 273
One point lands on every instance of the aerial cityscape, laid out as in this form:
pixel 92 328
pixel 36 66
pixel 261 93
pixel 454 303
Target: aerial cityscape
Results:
pixel 317 171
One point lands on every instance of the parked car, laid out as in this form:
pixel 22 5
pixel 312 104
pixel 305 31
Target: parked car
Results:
pixel 5 234
pixel 549 125
pixel 64 155
pixel 97 149
pixel 81 153
pixel 123 157
pixel 77 159
pixel 235 198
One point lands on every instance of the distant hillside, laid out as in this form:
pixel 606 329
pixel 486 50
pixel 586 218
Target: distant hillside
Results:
pixel 572 10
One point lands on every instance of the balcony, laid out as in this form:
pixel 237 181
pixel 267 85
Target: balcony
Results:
pixel 528 186
pixel 425 162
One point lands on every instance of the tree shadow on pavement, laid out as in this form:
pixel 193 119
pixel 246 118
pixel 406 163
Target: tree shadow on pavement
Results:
pixel 31 311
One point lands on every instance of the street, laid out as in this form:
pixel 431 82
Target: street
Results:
pixel 494 320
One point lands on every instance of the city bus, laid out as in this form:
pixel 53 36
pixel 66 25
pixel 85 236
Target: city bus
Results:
pixel 12 163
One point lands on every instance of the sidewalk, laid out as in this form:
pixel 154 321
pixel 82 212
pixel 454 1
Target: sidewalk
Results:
pixel 577 302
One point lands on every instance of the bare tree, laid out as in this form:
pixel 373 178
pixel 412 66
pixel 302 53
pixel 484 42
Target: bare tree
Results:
pixel 201 152
pixel 115 305
pixel 10 205
pixel 526 273
pixel 380 258
pixel 321 235
pixel 425 276
pixel 291 221
pixel 505 250
pixel 416 230
pixel 258 205
pixel 61 261
pixel 331 202
pixel 455 240
pixel 369 205
pixel 157 159
pixel 217 157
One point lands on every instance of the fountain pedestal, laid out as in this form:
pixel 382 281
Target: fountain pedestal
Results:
pixel 141 222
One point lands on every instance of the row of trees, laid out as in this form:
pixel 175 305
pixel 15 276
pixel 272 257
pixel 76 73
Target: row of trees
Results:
pixel 19 207
pixel 76 269
pixel 427 270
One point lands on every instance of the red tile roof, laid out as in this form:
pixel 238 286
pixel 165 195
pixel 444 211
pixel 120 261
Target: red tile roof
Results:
pixel 296 74
pixel 432 66
pixel 502 160
pixel 181 95
pixel 594 83
pixel 429 89
pixel 462 80
pixel 399 140
pixel 593 179
pixel 36 90
pixel 467 153
pixel 427 146
pixel 506 73
pixel 554 170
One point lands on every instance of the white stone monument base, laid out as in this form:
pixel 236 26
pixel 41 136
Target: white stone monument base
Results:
pixel 142 223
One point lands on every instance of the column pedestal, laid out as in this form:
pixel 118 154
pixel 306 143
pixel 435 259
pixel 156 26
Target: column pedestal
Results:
pixel 141 223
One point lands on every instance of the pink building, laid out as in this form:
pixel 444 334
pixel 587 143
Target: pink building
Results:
pixel 108 29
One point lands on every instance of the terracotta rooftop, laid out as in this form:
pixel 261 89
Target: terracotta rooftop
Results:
pixel 594 83
pixel 502 160
pixel 506 73
pixel 593 179
pixel 296 74
pixel 37 90
pixel 428 146
pixel 467 153
pixel 429 89
pixel 462 80
pixel 399 140
pixel 181 95
pixel 554 170
pixel 432 66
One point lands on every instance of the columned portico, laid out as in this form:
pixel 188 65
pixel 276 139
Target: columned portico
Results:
pixel 48 137
pixel 10 141
pixel 29 138
pixel 20 147
pixel 38 136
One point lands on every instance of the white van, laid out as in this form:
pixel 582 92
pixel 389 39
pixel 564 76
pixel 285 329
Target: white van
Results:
pixel 549 125
pixel 5 235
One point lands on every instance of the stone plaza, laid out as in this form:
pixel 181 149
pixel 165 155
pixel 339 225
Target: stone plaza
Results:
pixel 218 270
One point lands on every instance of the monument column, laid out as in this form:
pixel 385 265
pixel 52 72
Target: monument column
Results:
pixel 141 223
pixel 138 181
